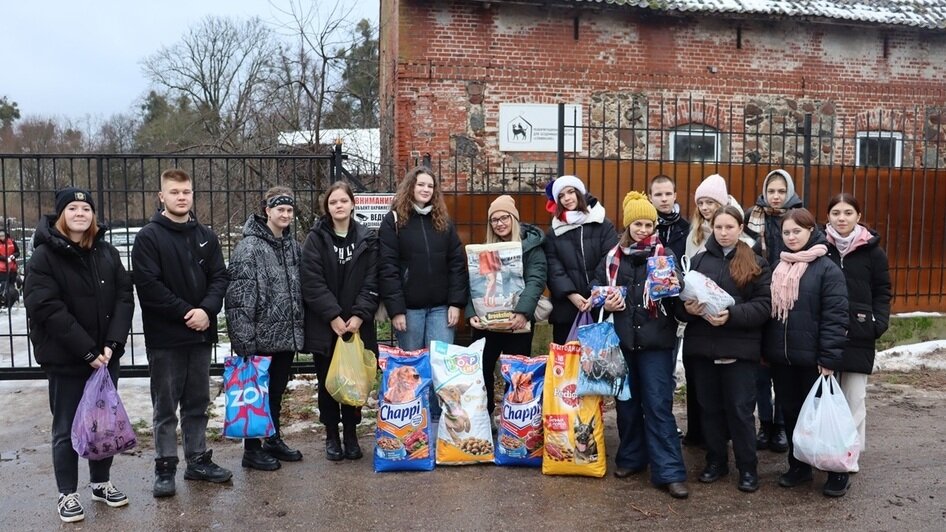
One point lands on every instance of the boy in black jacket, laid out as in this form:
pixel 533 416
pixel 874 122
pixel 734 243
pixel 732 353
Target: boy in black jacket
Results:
pixel 181 279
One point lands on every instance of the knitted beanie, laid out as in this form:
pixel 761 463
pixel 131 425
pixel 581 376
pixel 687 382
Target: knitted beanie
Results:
pixel 714 188
pixel 638 207
pixel 564 182
pixel 67 195
pixel 504 203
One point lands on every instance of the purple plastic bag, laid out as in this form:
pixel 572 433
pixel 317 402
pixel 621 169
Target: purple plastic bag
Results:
pixel 583 318
pixel 101 427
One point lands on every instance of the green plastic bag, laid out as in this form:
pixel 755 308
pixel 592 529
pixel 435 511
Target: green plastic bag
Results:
pixel 352 372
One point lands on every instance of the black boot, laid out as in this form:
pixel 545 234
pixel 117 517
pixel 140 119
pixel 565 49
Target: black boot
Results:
pixel 164 471
pixel 352 449
pixel 778 439
pixel 259 459
pixel 278 449
pixel 201 467
pixel 795 475
pixel 837 485
pixel 762 438
pixel 333 444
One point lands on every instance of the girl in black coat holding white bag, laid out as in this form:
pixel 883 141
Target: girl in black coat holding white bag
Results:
pixel 856 249
pixel 724 350
pixel 79 302
pixel 340 288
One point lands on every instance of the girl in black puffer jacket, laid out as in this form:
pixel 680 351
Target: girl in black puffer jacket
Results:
pixel 856 249
pixel 264 311
pixel 79 303
pixel 724 350
pixel 340 288
pixel 808 332
pixel 579 238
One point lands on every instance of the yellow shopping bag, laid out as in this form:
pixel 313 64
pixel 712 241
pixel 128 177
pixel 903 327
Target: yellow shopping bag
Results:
pixel 352 372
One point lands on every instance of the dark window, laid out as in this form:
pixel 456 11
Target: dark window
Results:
pixel 879 149
pixel 694 143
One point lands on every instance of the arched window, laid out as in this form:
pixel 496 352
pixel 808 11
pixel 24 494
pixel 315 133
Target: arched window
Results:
pixel 694 143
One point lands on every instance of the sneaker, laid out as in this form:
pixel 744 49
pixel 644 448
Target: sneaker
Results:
pixel 201 467
pixel 109 494
pixel 837 485
pixel 795 476
pixel 70 509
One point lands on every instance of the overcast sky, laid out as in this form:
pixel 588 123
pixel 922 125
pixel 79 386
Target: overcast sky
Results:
pixel 81 58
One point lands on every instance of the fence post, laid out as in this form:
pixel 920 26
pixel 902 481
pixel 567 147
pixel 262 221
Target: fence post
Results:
pixel 336 169
pixel 806 152
pixel 100 188
pixel 561 139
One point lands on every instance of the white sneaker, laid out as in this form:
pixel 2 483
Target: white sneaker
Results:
pixel 70 509
pixel 110 495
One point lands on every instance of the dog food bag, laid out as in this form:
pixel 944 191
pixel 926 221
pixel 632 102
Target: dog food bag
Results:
pixel 574 428
pixel 463 435
pixel 402 437
pixel 660 270
pixel 520 440
pixel 599 293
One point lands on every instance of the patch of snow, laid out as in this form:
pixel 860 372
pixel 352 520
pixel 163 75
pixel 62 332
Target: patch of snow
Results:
pixel 919 315
pixel 910 357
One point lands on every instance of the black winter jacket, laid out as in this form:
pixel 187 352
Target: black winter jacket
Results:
pixel 573 253
pixel 815 332
pixel 177 267
pixel 774 245
pixel 674 235
pixel 78 301
pixel 635 327
pixel 741 336
pixel 324 299
pixel 420 266
pixel 264 298
pixel 868 288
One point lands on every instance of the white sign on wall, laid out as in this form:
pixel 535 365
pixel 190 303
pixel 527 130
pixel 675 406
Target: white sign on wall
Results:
pixel 534 127
pixel 371 208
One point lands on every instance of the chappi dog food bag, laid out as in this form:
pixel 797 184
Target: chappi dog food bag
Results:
pixel 520 440
pixel 402 437
pixel 574 428
pixel 463 434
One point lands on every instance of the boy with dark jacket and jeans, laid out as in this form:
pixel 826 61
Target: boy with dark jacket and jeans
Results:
pixel 181 279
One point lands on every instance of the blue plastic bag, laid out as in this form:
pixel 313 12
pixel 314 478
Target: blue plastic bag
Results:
pixel 246 391
pixel 101 427
pixel 603 368
pixel 403 435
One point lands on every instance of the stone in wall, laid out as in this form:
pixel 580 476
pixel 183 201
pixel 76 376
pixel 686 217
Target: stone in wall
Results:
pixel 617 126
pixel 775 127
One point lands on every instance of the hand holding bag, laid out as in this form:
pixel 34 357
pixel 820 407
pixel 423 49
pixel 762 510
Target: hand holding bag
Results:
pixel 583 318
pixel 246 392
pixel 101 427
pixel 700 288
pixel 825 436
pixel 351 373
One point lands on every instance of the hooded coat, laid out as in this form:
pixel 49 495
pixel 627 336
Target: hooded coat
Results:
pixel 774 245
pixel 867 273
pixel 78 301
pixel 264 298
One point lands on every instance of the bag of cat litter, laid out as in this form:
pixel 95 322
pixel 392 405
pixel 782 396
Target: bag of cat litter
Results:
pixel 520 441
pixel 463 434
pixel 402 437
pixel 573 425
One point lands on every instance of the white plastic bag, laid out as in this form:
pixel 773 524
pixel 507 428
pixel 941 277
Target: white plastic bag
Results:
pixel 825 436
pixel 702 289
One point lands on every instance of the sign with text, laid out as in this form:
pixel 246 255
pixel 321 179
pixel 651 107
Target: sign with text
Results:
pixel 534 127
pixel 371 208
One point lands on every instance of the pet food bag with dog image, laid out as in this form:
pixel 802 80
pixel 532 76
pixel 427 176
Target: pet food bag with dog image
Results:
pixel 574 428
pixel 463 435
pixel 520 441
pixel 603 368
pixel 403 432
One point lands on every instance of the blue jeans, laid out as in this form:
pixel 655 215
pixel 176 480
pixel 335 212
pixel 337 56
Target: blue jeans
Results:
pixel 424 325
pixel 646 426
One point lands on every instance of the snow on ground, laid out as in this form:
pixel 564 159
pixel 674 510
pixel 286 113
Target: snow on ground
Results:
pixel 911 357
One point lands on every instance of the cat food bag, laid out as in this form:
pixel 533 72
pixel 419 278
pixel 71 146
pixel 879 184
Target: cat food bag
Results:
pixel 463 434
pixel 599 293
pixel 574 426
pixel 402 437
pixel 659 271
pixel 520 440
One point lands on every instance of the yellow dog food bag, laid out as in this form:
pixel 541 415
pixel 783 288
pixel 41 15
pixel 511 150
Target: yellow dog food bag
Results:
pixel 574 426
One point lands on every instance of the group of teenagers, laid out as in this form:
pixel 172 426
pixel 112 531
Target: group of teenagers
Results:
pixel 809 300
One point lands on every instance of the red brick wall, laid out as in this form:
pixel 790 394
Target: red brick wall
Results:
pixel 440 53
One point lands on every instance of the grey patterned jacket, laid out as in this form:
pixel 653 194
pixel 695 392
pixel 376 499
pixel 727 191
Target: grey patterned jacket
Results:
pixel 264 299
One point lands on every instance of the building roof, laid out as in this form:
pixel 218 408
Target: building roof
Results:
pixel 363 144
pixel 928 14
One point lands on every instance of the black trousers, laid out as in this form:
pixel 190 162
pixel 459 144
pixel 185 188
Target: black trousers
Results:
pixel 694 412
pixel 331 412
pixel 280 369
pixel 792 384
pixel 726 393
pixel 65 393
pixel 498 343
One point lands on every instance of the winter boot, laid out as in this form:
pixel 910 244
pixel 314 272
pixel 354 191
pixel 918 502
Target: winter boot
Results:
pixel 164 471
pixel 201 467
pixel 333 444
pixel 260 460
pixel 762 438
pixel 352 449
pixel 275 446
pixel 778 439
pixel 837 485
